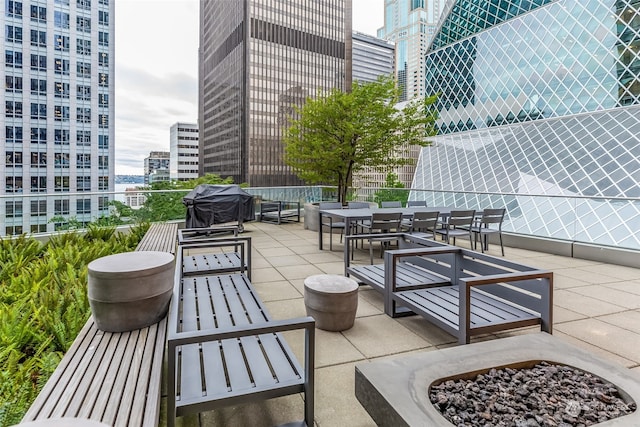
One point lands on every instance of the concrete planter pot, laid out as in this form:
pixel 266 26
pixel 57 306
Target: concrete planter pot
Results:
pixel 130 290
pixel 311 216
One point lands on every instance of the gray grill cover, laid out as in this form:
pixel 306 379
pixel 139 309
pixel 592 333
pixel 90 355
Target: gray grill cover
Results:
pixel 216 204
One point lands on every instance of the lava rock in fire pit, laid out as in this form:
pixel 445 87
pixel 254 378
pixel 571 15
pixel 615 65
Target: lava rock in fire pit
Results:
pixel 544 395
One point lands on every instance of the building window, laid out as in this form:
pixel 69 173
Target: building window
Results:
pixel 83 161
pixel 13 158
pixel 61 19
pixel 84 69
pixel 61 113
pixel 62 43
pixel 38 208
pixel 38 62
pixel 83 24
pixel 83 115
pixel 12 59
pixel 103 59
pixel 38 184
pixel 13 134
pixel 104 2
pixel 83 137
pixel 14 8
pixel 14 184
pixel 38 228
pixel 84 4
pixel 13 34
pixel 61 66
pixel 38 135
pixel 103 100
pixel 103 162
pixel 103 17
pixel 38 38
pixel 38 87
pixel 61 207
pixel 103 80
pixel 13 84
pixel 38 111
pixel 61 161
pixel 103 183
pixel 61 137
pixel 13 230
pixel 61 184
pixel 61 90
pixel 38 160
pixel 13 109
pixel 83 93
pixel 103 38
pixel 83 47
pixel 84 183
pixel 38 13
pixel 13 209
pixel 103 121
pixel 83 206
pixel 62 2
pixel 103 141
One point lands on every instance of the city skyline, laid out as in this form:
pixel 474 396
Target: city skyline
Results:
pixel 159 88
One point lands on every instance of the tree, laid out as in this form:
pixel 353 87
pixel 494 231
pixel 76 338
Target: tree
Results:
pixel 341 133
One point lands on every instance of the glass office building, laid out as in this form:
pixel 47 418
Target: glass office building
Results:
pixel 541 98
pixel 258 61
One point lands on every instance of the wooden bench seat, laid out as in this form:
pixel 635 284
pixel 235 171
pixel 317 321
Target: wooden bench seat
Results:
pixel 225 349
pixel 114 378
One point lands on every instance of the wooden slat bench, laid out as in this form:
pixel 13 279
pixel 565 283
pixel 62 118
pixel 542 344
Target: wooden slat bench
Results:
pixel 113 378
pixel 461 291
pixel 224 348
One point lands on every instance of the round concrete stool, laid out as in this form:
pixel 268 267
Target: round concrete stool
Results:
pixel 331 300
pixel 130 290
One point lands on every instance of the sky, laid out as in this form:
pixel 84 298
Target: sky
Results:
pixel 156 81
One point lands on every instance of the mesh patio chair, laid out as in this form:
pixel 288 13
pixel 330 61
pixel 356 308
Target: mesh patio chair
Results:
pixel 382 223
pixel 328 221
pixel 458 224
pixel 391 204
pixel 482 229
pixel 422 222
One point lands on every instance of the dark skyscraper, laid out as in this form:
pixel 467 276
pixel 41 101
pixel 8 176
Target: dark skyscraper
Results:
pixel 258 60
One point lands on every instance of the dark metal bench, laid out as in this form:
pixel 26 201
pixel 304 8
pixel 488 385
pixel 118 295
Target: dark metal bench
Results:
pixel 463 292
pixel 279 212
pixel 113 378
pixel 224 348
pixel 215 255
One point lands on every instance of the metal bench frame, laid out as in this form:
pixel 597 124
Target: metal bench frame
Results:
pixel 279 212
pixel 224 348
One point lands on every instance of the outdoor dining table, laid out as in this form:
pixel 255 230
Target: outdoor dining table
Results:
pixel 351 216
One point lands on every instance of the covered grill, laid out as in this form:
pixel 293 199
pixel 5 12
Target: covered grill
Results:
pixel 209 204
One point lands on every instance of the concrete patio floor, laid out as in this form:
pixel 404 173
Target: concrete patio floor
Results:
pixel 596 307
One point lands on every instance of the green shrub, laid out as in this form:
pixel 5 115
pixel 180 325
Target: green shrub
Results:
pixel 43 306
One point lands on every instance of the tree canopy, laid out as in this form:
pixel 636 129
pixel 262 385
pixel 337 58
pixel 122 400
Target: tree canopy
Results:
pixel 340 133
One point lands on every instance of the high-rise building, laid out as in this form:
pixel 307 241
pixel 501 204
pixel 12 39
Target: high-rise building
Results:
pixel 156 167
pixel 59 112
pixel 540 97
pixel 258 61
pixel 371 57
pixel 183 149
pixel 411 24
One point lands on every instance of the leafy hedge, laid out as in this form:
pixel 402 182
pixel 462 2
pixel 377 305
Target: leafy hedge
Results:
pixel 43 306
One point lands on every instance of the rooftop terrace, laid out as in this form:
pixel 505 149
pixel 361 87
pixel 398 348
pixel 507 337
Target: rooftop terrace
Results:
pixel 596 307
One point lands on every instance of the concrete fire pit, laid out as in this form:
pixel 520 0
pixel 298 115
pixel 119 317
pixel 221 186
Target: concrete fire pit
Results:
pixel 395 392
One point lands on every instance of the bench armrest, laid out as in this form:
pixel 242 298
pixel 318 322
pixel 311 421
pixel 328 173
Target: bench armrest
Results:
pixel 542 297
pixel 392 257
